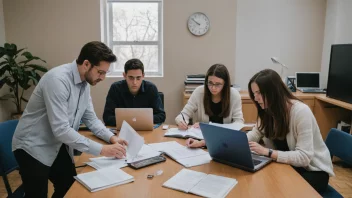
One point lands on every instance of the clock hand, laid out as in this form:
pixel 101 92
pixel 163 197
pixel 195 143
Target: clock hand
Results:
pixel 195 21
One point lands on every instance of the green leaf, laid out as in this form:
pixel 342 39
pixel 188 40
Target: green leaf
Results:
pixel 28 55
pixel 20 50
pixel 22 98
pixel 2 52
pixel 3 81
pixel 35 81
pixel 37 67
pixel 7 96
pixel 11 49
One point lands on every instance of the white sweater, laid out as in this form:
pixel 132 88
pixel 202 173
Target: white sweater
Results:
pixel 307 148
pixel 195 108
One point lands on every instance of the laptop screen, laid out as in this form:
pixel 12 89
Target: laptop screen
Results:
pixel 308 79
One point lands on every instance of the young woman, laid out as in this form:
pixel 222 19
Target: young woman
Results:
pixel 215 102
pixel 289 127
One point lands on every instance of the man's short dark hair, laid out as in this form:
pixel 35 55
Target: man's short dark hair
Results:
pixel 134 64
pixel 95 52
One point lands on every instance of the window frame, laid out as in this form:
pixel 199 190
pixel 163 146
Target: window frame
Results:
pixel 107 34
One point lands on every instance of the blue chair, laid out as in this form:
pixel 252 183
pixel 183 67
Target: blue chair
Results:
pixel 339 144
pixel 7 159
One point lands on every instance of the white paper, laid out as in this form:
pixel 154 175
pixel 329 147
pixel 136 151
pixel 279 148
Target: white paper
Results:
pixel 163 145
pixel 186 156
pixel 235 126
pixel 184 180
pixel 195 161
pixel 134 140
pixel 214 186
pixel 103 178
pixel 145 153
pixel 105 162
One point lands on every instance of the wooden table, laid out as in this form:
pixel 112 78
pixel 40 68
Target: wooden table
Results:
pixel 274 180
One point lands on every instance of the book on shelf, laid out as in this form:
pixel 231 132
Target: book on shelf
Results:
pixel 195 79
pixel 188 157
pixel 189 133
pixel 201 184
pixel 195 76
pixel 200 82
pixel 104 178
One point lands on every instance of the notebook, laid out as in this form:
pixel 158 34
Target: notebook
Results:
pixel 201 184
pixel 103 178
pixel 195 133
pixel 188 157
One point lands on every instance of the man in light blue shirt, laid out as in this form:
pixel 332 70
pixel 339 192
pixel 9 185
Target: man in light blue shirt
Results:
pixel 46 134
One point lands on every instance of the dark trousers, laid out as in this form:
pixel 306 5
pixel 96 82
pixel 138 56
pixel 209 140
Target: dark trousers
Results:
pixel 317 179
pixel 35 175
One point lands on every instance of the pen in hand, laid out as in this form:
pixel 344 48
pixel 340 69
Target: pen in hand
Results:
pixel 184 120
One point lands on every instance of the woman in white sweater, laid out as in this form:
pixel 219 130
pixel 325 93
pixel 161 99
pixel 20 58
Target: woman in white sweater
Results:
pixel 289 127
pixel 215 102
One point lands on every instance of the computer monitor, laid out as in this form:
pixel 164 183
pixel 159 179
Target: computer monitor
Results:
pixel 307 80
pixel 340 73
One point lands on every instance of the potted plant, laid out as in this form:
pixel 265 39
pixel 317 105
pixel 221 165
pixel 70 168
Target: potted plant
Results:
pixel 18 71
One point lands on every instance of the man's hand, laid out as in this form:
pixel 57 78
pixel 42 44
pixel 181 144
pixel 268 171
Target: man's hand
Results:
pixel 192 143
pixel 114 150
pixel 114 139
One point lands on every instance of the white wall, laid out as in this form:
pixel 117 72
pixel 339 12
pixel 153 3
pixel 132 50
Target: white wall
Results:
pixel 338 30
pixel 4 111
pixel 291 30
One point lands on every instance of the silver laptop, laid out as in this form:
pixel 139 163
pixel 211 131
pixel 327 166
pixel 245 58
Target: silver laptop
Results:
pixel 231 147
pixel 308 82
pixel 140 119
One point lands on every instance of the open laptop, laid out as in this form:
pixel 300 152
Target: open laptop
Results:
pixel 140 119
pixel 231 147
pixel 309 82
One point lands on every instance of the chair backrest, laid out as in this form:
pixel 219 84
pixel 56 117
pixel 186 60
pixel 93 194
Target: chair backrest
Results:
pixel 8 162
pixel 339 144
pixel 161 94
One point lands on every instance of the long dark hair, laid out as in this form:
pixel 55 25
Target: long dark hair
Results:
pixel 220 71
pixel 275 118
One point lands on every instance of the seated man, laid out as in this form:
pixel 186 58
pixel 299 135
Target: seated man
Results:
pixel 133 92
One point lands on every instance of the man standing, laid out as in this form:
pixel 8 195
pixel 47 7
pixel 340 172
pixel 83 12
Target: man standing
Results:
pixel 46 134
pixel 133 92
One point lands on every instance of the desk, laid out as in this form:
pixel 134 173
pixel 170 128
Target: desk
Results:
pixel 327 111
pixel 274 180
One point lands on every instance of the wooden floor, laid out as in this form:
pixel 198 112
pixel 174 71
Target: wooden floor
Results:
pixel 342 182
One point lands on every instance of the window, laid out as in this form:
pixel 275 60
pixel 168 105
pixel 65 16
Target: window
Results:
pixel 133 29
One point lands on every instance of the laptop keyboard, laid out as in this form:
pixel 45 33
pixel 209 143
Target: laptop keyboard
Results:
pixel 256 162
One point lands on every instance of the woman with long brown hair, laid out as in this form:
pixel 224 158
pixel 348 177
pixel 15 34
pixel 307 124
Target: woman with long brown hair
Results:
pixel 215 102
pixel 290 130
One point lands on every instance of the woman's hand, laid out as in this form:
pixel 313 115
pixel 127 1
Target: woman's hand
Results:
pixel 254 146
pixel 192 143
pixel 182 125
pixel 196 125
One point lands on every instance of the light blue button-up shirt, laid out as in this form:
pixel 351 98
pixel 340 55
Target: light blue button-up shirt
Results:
pixel 52 117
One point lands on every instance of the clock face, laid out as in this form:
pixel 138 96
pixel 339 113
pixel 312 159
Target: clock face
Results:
pixel 198 24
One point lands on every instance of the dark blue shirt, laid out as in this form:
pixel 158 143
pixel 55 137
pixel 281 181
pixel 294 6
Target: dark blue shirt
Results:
pixel 119 96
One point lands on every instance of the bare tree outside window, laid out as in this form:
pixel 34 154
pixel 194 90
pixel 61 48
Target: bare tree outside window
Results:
pixel 134 31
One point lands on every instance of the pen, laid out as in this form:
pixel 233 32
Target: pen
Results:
pixel 184 120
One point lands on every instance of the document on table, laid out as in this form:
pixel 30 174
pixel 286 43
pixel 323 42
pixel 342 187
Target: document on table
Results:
pixel 235 126
pixel 201 184
pixel 134 140
pixel 105 162
pixel 103 178
pixel 188 157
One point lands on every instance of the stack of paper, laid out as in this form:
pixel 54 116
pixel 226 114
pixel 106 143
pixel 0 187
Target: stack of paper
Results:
pixel 104 178
pixel 105 162
pixel 189 133
pixel 188 157
pixel 201 184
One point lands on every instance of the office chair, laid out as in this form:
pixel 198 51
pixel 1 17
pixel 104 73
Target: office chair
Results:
pixel 339 144
pixel 8 162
